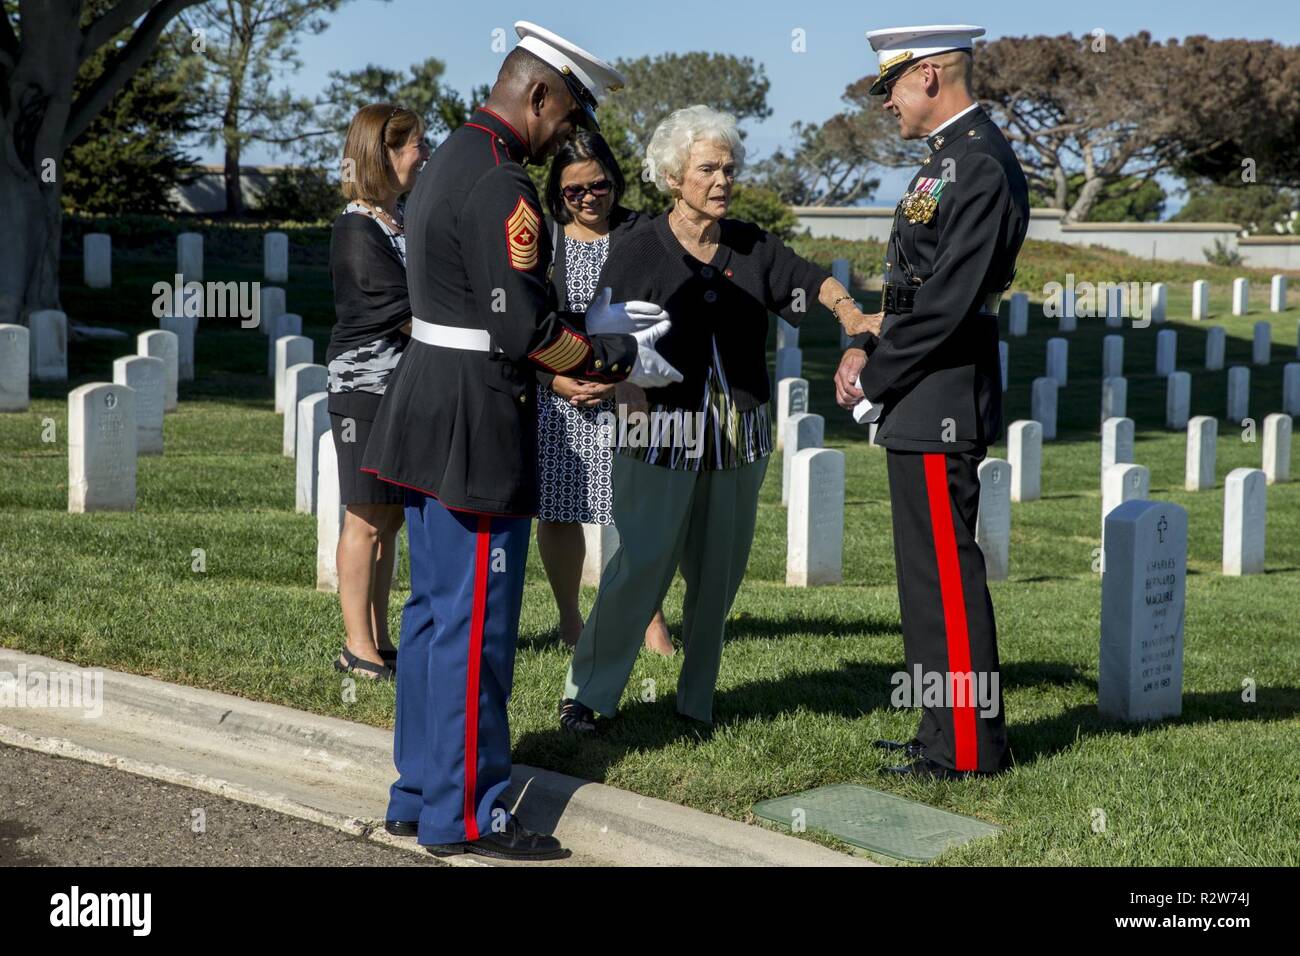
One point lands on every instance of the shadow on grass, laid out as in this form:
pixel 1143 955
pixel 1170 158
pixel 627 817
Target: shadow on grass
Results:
pixel 1050 735
pixel 850 692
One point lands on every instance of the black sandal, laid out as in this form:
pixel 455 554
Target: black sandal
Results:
pixel 576 717
pixel 389 658
pixel 380 671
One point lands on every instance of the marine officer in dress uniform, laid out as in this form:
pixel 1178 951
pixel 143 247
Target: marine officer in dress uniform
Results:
pixel 457 429
pixel 931 380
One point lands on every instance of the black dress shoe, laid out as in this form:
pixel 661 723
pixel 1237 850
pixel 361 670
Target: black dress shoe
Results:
pixel 403 828
pixel 576 717
pixel 912 750
pixel 514 842
pixel 926 769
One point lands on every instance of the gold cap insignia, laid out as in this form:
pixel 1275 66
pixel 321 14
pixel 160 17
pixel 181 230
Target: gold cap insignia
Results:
pixel 893 61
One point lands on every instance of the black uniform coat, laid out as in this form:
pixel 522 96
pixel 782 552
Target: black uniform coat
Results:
pixel 459 424
pixel 936 369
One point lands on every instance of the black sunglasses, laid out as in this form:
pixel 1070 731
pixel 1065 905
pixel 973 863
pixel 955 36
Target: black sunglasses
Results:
pixel 600 187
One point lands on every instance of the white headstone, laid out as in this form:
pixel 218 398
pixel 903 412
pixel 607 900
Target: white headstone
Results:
pixel 1240 296
pixel 275 257
pixel 329 514
pixel 1244 494
pixel 189 256
pixel 1291 388
pixel 1042 405
pixel 791 399
pixel 1068 319
pixel 1277 448
pixel 815 521
pixel 1025 455
pixel 1121 483
pixel 842 272
pixel 787 335
pixel 1112 356
pixel 1200 299
pixel 300 381
pixel 1004 362
pixel 183 327
pixel 802 431
pixel 1216 342
pixel 1058 360
pixel 993 520
pixel 281 326
pixel 1277 294
pixel 1202 436
pixel 97 252
pixel 270 307
pixel 101 448
pixel 1261 345
pixel 290 350
pixel 1166 352
pixel 1114 307
pixel 313 421
pixel 1238 393
pixel 147 377
pixel 15 368
pixel 1178 400
pixel 1159 302
pixel 1143 595
pixel 1018 317
pixel 789 363
pixel 1116 442
pixel 49 345
pixel 1114 397
pixel 602 544
pixel 162 345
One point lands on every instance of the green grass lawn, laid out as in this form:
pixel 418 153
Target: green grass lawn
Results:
pixel 804 686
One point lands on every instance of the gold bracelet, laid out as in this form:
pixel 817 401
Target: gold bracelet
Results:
pixel 836 304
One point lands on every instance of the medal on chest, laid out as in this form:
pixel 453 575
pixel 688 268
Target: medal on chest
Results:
pixel 919 205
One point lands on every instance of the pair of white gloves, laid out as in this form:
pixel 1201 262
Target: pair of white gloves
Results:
pixel 645 322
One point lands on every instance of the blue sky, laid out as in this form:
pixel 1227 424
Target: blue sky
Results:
pixel 804 86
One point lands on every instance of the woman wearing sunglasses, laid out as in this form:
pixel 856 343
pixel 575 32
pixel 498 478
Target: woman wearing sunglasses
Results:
pixel 575 466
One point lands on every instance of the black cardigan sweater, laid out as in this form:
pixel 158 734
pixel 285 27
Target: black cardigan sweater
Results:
pixel 752 274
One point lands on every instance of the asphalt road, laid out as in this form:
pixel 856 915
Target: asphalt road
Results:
pixel 60 812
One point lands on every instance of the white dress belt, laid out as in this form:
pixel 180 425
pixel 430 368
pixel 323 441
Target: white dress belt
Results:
pixel 451 337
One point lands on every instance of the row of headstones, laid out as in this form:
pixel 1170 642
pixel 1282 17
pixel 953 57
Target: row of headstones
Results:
pixel 1178 393
pixel 1116 305
pixel 97 257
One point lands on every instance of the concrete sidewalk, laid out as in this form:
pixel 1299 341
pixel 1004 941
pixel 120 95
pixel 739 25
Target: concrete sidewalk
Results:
pixel 337 773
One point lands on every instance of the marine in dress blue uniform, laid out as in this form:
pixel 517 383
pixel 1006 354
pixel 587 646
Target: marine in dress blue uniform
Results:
pixel 457 429
pixel 933 384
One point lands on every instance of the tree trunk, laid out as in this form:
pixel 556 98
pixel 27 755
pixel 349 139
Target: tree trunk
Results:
pixel 1088 197
pixel 234 185
pixel 31 223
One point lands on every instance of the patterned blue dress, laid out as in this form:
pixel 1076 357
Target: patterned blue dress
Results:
pixel 574 462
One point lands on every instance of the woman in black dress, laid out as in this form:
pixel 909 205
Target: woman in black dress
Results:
pixel 384 151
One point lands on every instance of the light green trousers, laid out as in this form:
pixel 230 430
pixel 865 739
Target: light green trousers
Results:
pixel 701 521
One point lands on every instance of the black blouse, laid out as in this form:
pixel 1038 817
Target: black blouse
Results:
pixel 752 274
pixel 370 297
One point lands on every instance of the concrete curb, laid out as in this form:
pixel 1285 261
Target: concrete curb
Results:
pixel 336 773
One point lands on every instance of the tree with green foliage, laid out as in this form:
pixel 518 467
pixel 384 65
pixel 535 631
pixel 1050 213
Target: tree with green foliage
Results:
pixel 44 46
pixel 1257 208
pixel 1131 199
pixel 248 45
pixel 129 159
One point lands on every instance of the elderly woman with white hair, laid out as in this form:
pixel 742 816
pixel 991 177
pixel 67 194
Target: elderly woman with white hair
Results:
pixel 688 495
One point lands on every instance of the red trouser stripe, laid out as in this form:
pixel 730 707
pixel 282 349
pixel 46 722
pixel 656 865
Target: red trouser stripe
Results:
pixel 481 553
pixel 954 610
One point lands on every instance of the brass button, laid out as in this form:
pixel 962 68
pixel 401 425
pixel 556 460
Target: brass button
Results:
pixel 614 367
pixel 523 398
pixel 598 363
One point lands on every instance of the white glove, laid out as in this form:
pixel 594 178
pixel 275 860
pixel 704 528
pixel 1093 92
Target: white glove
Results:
pixel 651 370
pixel 866 411
pixel 602 318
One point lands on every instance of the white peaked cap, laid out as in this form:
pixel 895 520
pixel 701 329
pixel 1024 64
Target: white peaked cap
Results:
pixel 899 47
pixel 573 62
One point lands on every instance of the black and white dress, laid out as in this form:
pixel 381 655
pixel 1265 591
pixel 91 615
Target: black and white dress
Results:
pixel 574 465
